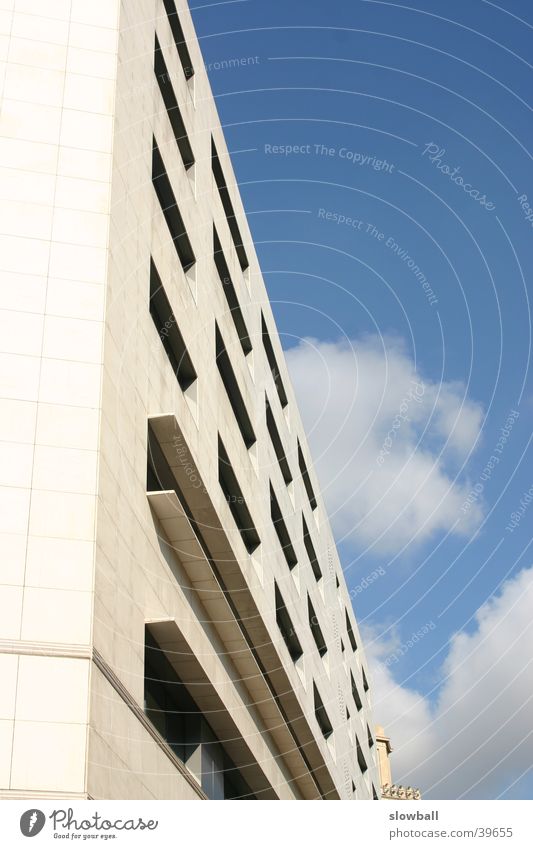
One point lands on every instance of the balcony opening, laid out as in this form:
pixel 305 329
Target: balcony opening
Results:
pixel 349 630
pixel 360 757
pixel 277 444
pixel 235 499
pixel 228 207
pixel 309 547
pixel 355 693
pixel 316 630
pixel 170 210
pixel 281 531
pixel 169 333
pixel 231 294
pixel 306 479
pixel 232 390
pixel 286 627
pixel 272 362
pixel 179 38
pixel 174 713
pixel 171 104
pixel 321 715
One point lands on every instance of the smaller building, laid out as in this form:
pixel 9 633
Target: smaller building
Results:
pixel 388 789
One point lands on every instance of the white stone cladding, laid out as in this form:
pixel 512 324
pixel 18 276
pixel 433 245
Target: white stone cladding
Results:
pixel 87 558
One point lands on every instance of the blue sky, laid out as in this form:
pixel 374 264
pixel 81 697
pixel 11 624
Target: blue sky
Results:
pixel 381 152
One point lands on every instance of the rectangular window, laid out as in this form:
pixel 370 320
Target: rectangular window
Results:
pixel 169 333
pixel 228 207
pixel 170 209
pixel 173 110
pixel 349 629
pixel 360 757
pixel 230 293
pixel 306 479
pixel 313 559
pixel 286 627
pixel 271 358
pixel 179 38
pixel 316 630
pixel 321 715
pixel 235 499
pixel 277 444
pixel 281 530
pixel 355 693
pixel 232 389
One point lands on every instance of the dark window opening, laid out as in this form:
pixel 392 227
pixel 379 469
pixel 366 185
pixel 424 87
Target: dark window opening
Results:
pixel 179 38
pixel 159 477
pixel 277 444
pixel 320 712
pixel 286 627
pixel 176 716
pixel 169 333
pixel 230 293
pixel 228 207
pixel 349 629
pixel 316 630
pixel 365 683
pixel 234 497
pixel 281 531
pixel 170 209
pixel 306 479
pixel 353 788
pixel 171 104
pixel 309 547
pixel 233 392
pixel 360 757
pixel 347 714
pixel 355 693
pixel 374 794
pixel 337 582
pixel 370 738
pixel 272 362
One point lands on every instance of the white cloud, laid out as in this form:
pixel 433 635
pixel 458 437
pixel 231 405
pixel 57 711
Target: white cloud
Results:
pixel 475 739
pixel 387 443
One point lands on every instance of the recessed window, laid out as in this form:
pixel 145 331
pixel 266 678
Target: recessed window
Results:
pixel 179 38
pixel 349 629
pixel 316 630
pixel 234 497
pixel 232 389
pixel 170 209
pixel 337 582
pixel 374 794
pixel 230 293
pixel 281 530
pixel 306 479
pixel 277 444
pixel 220 180
pixel 360 757
pixel 365 682
pixel 353 788
pixel 309 547
pixel 272 362
pixel 355 693
pixel 321 714
pixel 369 736
pixel 173 110
pixel 286 627
pixel 169 333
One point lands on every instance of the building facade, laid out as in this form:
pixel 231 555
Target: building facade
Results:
pixel 174 622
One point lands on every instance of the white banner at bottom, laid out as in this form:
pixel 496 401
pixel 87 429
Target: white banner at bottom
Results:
pixel 262 825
